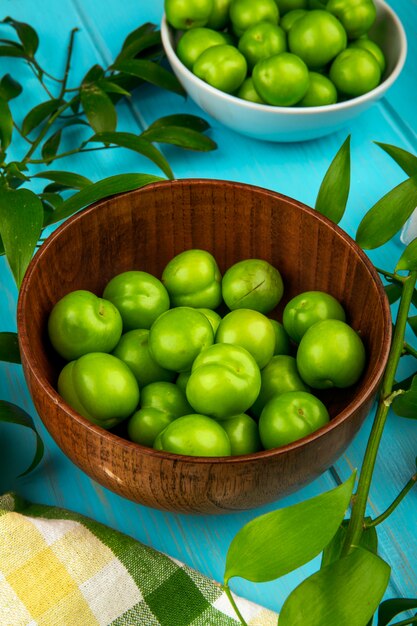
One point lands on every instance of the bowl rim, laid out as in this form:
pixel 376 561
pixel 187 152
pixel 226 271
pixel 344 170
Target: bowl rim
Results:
pixel 272 110
pixel 29 358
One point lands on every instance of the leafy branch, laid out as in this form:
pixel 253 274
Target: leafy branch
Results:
pixel 89 107
pixel 350 563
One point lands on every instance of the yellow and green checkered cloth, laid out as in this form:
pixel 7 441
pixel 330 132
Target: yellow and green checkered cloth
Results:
pixel 58 568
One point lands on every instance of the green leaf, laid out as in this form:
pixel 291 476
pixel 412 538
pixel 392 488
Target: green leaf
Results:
pixel 181 119
pixel 103 188
pixel 99 109
pixel 75 122
pixel 9 88
pixel 334 190
pixel 393 292
pixel 27 35
pixel 12 51
pixel 6 125
pixel 408 259
pixel 150 72
pixel 21 220
pixel 143 29
pixel 11 42
pixel 277 543
pixel 405 405
pixel 138 44
pixel 126 82
pixel 15 415
pixel 9 348
pixel 391 608
pixel 149 40
pixel 75 104
pixel 406 160
pixel 333 550
pixel 50 202
pixel 54 199
pixel 94 74
pixel 346 592
pixel 55 187
pixel 138 144
pixel 14 174
pixel 50 147
pixel 69 180
pixel 17 168
pixel 180 136
pixel 39 114
pixel 48 211
pixel 110 87
pixel 405 383
pixel 388 215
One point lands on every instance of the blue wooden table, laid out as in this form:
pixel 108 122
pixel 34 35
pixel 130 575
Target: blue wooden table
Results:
pixel 292 169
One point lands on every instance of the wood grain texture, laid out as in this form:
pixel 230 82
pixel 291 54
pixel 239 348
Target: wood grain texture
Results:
pixel 143 230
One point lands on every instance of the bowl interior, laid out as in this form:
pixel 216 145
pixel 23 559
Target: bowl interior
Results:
pixel 145 229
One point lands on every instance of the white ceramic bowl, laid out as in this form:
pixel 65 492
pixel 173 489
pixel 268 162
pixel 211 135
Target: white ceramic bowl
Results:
pixel 273 123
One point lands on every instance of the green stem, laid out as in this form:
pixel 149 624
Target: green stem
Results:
pixel 39 77
pixel 356 523
pixel 407 349
pixel 68 63
pixel 395 277
pixel 19 130
pixel 42 71
pixel 381 518
pixel 39 72
pixel 44 130
pixel 227 591
pixel 68 153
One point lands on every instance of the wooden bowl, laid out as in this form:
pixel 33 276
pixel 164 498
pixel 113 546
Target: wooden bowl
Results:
pixel 144 229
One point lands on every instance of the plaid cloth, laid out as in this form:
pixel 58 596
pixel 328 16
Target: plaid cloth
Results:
pixel 58 568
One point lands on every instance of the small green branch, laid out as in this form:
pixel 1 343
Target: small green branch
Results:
pixel 227 591
pixel 69 153
pixel 407 349
pixel 390 276
pixel 39 77
pixel 68 63
pixel 389 399
pixel 45 130
pixel 19 130
pixel 41 71
pixel 404 491
pixel 68 90
pixel 356 524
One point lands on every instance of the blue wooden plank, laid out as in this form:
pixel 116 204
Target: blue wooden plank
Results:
pixel 291 169
pixel 401 98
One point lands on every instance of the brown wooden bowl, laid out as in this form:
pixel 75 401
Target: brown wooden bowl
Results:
pixel 144 229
